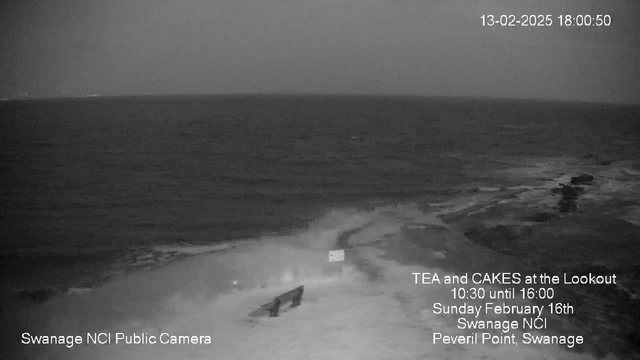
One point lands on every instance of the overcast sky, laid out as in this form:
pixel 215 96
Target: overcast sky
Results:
pixel 424 47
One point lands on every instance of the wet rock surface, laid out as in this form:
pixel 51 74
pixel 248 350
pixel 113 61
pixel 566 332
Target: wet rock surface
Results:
pixel 592 229
pixel 582 179
pixel 570 194
pixel 38 296
pixel 542 217
pixel 136 259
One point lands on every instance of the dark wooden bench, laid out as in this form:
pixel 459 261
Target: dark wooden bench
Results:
pixel 295 296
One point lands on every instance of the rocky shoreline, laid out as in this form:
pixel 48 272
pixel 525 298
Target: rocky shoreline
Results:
pixel 136 259
pixel 574 216
pixel 578 216
pixel 583 220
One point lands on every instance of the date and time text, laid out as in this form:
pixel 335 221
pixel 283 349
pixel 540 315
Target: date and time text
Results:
pixel 511 20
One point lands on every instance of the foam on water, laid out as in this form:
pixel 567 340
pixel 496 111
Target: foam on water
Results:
pixel 344 315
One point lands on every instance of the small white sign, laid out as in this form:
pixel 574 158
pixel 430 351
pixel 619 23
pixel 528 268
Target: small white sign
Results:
pixel 336 255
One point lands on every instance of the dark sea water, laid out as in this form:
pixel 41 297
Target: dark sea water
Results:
pixel 98 174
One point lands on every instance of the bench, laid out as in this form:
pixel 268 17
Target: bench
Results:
pixel 295 296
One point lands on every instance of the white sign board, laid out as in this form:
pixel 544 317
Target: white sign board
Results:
pixel 336 255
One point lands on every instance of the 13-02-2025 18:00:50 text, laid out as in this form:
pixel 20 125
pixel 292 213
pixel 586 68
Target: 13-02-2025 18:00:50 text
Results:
pixel 546 20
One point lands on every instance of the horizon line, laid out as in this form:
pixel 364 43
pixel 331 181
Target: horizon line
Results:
pixel 311 94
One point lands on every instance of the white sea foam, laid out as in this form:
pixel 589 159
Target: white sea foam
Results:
pixel 189 249
pixel 343 315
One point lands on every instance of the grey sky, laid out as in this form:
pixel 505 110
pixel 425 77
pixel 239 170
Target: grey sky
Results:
pixel 69 48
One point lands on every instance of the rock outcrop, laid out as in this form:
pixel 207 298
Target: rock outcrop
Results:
pixel 582 179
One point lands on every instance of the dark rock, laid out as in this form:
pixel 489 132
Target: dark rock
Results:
pixel 568 192
pixel 576 190
pixel 606 162
pixel 633 337
pixel 38 295
pixel 498 238
pixel 567 205
pixel 582 179
pixel 542 217
pixel 569 196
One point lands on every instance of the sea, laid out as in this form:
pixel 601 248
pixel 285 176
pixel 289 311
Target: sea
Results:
pixel 85 180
